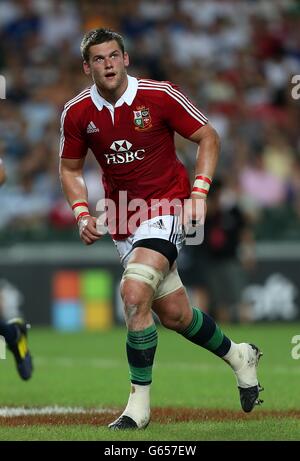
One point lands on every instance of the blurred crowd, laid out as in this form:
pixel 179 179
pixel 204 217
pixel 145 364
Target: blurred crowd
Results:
pixel 234 58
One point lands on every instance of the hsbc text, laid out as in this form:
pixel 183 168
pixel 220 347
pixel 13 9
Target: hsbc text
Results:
pixel 125 157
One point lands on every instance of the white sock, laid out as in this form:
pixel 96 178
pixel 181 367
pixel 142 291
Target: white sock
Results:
pixel 243 363
pixel 234 357
pixel 138 406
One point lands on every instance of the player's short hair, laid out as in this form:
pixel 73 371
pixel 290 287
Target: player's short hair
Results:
pixel 97 36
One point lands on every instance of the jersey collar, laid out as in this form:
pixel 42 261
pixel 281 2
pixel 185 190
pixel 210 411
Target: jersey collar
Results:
pixel 128 96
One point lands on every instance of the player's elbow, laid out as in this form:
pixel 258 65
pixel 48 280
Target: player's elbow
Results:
pixel 211 141
pixel 73 167
pixel 213 136
pixel 207 134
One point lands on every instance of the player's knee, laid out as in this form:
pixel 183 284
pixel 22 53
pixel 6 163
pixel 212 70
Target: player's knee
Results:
pixel 139 283
pixel 135 294
pixel 137 299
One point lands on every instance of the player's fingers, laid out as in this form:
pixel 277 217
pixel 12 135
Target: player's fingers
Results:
pixel 89 235
pixel 197 216
pixel 92 228
pixel 87 227
pixel 86 240
pixel 94 232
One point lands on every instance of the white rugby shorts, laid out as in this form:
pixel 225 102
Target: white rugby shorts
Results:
pixel 165 227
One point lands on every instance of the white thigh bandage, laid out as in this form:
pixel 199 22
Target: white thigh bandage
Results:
pixel 170 283
pixel 143 273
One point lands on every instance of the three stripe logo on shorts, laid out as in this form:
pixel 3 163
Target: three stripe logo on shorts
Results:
pixel 175 231
pixel 159 225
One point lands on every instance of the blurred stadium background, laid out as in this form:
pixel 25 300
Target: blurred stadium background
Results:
pixel 235 59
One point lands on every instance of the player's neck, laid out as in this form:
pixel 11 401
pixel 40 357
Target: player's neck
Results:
pixel 113 96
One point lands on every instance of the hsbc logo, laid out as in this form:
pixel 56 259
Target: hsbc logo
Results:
pixel 123 153
pixel 121 146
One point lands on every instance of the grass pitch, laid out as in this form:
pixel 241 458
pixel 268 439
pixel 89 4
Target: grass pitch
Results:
pixel 89 370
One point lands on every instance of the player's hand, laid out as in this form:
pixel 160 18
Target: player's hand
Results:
pixel 194 212
pixel 88 230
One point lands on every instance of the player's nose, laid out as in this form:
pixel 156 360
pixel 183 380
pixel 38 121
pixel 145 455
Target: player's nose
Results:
pixel 108 63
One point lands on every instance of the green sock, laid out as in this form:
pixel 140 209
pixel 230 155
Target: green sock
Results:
pixel 204 331
pixel 141 347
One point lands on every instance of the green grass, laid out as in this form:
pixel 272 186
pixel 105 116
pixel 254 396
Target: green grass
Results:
pixel 270 429
pixel 90 370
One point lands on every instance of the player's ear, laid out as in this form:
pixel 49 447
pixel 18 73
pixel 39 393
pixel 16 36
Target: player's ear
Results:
pixel 126 59
pixel 86 68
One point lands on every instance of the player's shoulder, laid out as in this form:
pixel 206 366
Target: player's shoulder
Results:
pixel 80 101
pixel 148 84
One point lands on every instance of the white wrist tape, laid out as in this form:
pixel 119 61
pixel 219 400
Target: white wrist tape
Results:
pixel 201 185
pixel 80 208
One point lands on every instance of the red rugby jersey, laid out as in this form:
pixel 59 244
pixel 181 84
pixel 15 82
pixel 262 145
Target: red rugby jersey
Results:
pixel 133 141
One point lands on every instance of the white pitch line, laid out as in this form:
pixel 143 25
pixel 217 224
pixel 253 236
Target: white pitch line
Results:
pixel 94 362
pixel 70 362
pixel 55 410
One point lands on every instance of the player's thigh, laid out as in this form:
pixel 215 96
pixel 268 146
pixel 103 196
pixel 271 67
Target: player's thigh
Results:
pixel 149 257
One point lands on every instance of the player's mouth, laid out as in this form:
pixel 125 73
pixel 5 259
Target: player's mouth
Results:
pixel 110 75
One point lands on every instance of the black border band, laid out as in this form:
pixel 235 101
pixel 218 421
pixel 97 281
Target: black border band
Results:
pixel 162 246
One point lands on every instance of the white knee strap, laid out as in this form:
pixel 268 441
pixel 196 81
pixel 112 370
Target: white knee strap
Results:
pixel 143 273
pixel 170 283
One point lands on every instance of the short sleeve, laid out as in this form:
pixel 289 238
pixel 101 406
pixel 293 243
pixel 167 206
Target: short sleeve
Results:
pixel 72 142
pixel 180 113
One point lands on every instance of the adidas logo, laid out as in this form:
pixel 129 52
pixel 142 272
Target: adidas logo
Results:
pixel 91 128
pixel 158 225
